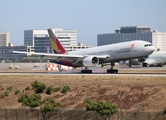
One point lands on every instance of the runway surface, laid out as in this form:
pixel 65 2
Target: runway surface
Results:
pixel 29 69
pixel 79 74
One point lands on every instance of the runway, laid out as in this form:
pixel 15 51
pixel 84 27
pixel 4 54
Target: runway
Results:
pixel 80 74
pixel 29 69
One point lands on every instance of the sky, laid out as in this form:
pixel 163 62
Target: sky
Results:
pixel 87 17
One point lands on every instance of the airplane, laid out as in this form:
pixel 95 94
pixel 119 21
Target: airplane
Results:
pixel 156 59
pixel 95 56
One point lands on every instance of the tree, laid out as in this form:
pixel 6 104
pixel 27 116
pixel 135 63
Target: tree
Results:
pixel 104 109
pixel 31 101
pixel 65 89
pixel 35 100
pixel 49 90
pixel 8 61
pixel 49 106
pixel 38 86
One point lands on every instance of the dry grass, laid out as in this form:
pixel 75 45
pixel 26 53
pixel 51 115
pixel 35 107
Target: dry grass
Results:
pixel 129 93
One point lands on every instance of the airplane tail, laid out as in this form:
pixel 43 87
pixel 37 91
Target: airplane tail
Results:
pixel 56 45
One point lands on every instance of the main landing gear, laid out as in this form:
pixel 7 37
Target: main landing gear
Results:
pixel 112 69
pixel 145 65
pixel 86 70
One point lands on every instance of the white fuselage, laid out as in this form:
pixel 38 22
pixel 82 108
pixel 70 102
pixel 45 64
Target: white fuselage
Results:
pixel 119 51
pixel 158 57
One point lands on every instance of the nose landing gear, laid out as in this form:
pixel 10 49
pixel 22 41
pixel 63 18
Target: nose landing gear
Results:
pixel 112 69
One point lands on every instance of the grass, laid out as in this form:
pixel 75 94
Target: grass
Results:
pixel 9 88
pixel 61 80
pixel 83 85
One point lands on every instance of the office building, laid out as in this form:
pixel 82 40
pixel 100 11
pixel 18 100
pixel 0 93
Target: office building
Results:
pixel 6 52
pixel 4 38
pixel 43 45
pixel 129 33
pixel 66 37
pixel 79 46
pixel 159 40
pixel 41 42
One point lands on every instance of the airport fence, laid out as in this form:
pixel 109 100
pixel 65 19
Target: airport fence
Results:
pixel 36 114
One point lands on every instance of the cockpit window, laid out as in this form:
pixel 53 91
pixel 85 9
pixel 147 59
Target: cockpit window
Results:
pixel 147 45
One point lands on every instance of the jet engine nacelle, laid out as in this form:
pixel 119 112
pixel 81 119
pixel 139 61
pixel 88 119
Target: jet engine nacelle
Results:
pixel 126 62
pixel 90 61
pixel 135 62
pixel 132 62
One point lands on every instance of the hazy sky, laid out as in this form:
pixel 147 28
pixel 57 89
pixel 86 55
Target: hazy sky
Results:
pixel 88 17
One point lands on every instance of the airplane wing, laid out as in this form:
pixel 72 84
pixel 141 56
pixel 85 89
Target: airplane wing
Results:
pixel 49 56
pixel 58 57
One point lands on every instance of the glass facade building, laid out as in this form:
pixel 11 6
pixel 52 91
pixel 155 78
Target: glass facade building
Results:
pixel 66 37
pixel 158 39
pixel 41 42
pixel 43 45
pixel 135 29
pixel 104 39
pixel 6 53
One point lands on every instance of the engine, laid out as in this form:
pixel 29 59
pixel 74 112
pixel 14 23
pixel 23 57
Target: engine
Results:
pixel 135 62
pixel 141 60
pixel 124 63
pixel 132 62
pixel 90 61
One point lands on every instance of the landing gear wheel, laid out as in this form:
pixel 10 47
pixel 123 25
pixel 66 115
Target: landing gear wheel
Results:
pixel 159 65
pixel 112 70
pixel 145 65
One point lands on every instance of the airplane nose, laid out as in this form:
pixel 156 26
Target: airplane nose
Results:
pixel 151 49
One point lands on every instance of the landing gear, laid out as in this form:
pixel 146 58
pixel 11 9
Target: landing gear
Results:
pixel 160 65
pixel 145 65
pixel 86 70
pixel 112 69
pixel 60 68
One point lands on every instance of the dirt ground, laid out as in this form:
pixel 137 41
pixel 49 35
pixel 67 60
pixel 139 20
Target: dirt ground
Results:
pixel 129 93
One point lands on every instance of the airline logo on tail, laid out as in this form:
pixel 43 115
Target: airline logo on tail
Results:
pixel 56 45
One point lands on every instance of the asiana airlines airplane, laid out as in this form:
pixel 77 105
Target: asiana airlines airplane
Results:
pixel 100 55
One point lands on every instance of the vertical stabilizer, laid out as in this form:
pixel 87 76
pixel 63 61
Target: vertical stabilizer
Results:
pixel 56 45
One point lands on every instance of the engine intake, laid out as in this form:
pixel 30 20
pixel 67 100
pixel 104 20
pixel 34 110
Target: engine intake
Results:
pixel 90 61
